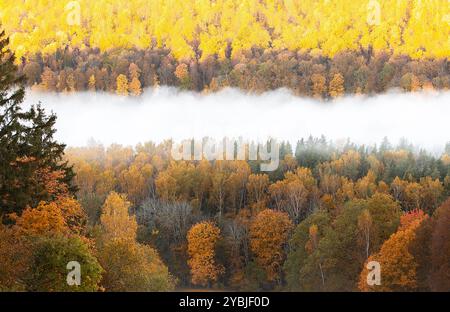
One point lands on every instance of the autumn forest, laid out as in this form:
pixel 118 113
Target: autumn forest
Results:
pixel 135 218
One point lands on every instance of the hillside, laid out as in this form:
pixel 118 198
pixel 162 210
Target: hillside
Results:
pixel 186 27
pixel 321 49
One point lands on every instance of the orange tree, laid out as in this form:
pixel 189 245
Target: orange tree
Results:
pixel 202 240
pixel 269 232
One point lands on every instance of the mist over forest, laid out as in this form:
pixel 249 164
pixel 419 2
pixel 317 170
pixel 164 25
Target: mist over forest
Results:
pixel 97 194
pixel 163 113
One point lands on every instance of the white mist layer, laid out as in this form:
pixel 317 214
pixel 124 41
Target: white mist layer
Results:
pixel 421 118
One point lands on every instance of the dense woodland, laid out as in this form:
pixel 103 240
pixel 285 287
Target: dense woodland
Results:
pixel 258 70
pixel 314 48
pixel 353 197
pixel 194 29
pixel 136 220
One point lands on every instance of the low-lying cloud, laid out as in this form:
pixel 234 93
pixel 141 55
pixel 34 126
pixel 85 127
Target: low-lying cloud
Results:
pixel 421 118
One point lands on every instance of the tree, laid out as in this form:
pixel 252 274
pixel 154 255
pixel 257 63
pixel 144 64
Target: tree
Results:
pixel 336 88
pixel 202 241
pixel 257 189
pixel 26 143
pixel 342 248
pixel 135 87
pixel 15 252
pixel 365 228
pixel 48 266
pixel 62 216
pixel 32 70
pixel 91 83
pixel 116 222
pixel 48 79
pixel 122 85
pixel 302 272
pixel 296 194
pixel 136 181
pixel 135 84
pixel 269 232
pixel 398 266
pixel 440 249
pixel 318 85
pixel 130 266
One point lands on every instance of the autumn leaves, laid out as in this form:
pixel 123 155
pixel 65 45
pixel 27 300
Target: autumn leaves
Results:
pixel 269 232
pixel 223 27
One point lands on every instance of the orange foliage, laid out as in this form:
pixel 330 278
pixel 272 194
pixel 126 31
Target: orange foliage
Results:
pixel 269 232
pixel 202 240
pixel 63 216
pixel 398 266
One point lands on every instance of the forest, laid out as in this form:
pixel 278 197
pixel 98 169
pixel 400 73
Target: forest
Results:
pixel 320 49
pixel 135 219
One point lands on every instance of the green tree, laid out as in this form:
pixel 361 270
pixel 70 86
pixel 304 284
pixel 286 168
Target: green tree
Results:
pixel 298 278
pixel 130 266
pixel 48 265
pixel 26 142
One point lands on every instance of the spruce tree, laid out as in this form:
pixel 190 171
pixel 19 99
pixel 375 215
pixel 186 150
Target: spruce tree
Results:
pixel 27 146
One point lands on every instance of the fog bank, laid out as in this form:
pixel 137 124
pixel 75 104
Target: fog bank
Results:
pixel 421 118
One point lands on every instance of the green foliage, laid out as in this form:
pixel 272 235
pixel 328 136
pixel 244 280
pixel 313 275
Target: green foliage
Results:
pixel 339 255
pixel 133 267
pixel 50 256
pixel 27 146
pixel 298 254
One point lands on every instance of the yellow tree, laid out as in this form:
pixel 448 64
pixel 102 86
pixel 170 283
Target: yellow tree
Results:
pixel 122 85
pixel 116 221
pixel 129 266
pixel 336 88
pixel 202 240
pixel 136 180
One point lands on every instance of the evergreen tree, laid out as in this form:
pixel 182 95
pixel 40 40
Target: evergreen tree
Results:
pixel 27 147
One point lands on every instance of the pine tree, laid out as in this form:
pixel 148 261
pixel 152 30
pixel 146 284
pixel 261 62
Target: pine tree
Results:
pixel 27 146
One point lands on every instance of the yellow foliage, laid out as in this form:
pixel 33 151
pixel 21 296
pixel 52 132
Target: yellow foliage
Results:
pixel 416 28
pixel 115 219
pixel 122 85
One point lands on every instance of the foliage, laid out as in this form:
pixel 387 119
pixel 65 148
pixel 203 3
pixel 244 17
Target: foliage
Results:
pixel 133 267
pixel 398 266
pixel 202 239
pixel 31 159
pixel 269 232
pixel 50 258
pixel 193 29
